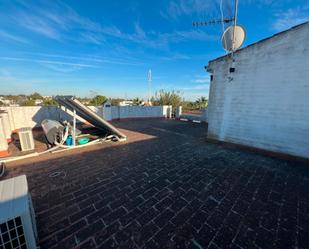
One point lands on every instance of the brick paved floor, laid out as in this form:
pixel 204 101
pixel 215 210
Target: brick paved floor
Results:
pixel 169 188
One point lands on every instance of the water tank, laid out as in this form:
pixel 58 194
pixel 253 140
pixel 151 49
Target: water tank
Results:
pixel 53 130
pixel 6 125
pixel 3 143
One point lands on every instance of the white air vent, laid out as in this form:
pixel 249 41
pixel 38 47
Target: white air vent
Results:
pixel 17 220
pixel 26 139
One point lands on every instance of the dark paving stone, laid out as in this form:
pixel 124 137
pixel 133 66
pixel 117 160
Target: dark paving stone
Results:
pixel 169 188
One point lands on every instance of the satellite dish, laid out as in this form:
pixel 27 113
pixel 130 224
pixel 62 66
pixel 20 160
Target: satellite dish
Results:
pixel 231 40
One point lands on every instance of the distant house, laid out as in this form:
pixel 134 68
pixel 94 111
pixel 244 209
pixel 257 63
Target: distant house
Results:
pixel 5 101
pixel 260 97
pixel 126 103
pixel 38 102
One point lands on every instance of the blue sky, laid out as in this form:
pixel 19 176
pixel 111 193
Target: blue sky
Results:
pixel 107 47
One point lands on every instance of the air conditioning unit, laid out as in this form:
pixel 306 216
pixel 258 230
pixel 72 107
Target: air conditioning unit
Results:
pixel 26 139
pixel 17 220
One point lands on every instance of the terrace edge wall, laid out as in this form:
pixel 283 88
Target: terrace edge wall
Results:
pixel 32 116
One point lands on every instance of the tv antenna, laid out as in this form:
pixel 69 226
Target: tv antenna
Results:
pixel 149 85
pixel 212 22
pixel 233 37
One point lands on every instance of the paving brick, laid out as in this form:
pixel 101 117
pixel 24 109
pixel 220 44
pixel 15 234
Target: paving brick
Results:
pixel 225 236
pixel 216 219
pixel 198 219
pixel 116 214
pixel 163 204
pixel 89 231
pixel 246 237
pixel 265 239
pixel 209 205
pixel 164 217
pixel 87 244
pixel 106 233
pixel 285 239
pixel 98 214
pixel 69 242
pixel 81 214
pixel 178 204
pixel 69 230
pixel 110 243
pixel 147 216
pixel 174 190
pixel 148 231
pixel 204 236
pixel 163 237
pixel 303 239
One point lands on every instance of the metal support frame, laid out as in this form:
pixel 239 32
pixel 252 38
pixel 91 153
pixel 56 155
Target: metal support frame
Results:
pixel 74 127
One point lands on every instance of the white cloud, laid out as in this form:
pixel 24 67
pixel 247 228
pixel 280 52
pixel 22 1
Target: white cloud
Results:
pixel 289 18
pixel 38 24
pixel 59 63
pixel 57 21
pixel 202 80
pixel 195 88
pixel 10 37
pixel 178 8
pixel 89 59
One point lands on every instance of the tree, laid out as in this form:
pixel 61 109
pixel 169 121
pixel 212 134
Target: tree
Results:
pixel 50 102
pixel 167 98
pixel 201 102
pixel 189 106
pixel 85 100
pixel 137 101
pixel 98 100
pixel 29 102
pixel 35 96
pixel 115 102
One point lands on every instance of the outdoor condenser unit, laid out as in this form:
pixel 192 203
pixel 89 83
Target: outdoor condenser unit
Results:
pixel 17 220
pixel 26 139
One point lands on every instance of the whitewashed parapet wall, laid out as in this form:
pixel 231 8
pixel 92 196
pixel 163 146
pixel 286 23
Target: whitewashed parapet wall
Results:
pixel 265 102
pixel 125 112
pixel 32 116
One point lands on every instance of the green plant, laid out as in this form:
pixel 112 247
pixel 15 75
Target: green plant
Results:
pixel 137 101
pixel 201 102
pixel 167 98
pixel 50 102
pixel 35 96
pixel 115 102
pixel 98 100
pixel 29 102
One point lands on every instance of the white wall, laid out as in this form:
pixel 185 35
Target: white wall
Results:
pixel 121 112
pixel 32 116
pixel 25 116
pixel 266 105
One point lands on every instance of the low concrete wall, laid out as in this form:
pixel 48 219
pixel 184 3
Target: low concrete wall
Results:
pixel 32 116
pixel 125 112
pixel 201 117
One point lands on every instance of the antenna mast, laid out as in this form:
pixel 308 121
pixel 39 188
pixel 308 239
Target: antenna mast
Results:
pixel 149 85
pixel 235 20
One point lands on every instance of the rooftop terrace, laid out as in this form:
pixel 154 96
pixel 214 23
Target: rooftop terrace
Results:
pixel 167 187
